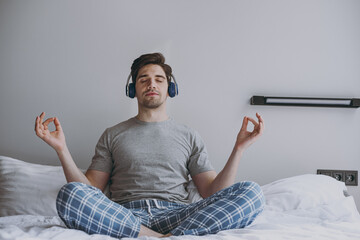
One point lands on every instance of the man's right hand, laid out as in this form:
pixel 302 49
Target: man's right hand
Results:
pixel 56 139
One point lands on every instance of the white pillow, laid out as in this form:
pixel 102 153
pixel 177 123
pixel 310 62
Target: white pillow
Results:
pixel 303 192
pixel 27 188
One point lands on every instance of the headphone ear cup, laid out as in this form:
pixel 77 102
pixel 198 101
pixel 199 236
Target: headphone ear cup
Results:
pixel 172 90
pixel 131 90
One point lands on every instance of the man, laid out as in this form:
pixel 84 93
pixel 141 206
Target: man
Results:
pixel 147 160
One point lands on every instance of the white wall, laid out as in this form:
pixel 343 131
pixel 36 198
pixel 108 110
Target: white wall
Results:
pixel 71 60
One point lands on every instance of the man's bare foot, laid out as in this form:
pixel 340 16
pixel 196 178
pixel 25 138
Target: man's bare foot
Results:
pixel 144 231
pixel 166 235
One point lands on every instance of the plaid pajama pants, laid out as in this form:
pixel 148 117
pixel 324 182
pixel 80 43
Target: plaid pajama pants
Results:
pixel 86 208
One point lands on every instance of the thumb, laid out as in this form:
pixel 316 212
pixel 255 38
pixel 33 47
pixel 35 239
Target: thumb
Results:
pixel 57 124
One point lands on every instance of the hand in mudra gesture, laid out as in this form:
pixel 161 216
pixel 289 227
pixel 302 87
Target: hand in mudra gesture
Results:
pixel 56 138
pixel 246 138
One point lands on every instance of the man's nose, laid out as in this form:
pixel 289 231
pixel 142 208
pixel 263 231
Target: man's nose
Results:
pixel 152 84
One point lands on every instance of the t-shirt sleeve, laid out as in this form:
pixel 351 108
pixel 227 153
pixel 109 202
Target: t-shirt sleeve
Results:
pixel 199 161
pixel 102 160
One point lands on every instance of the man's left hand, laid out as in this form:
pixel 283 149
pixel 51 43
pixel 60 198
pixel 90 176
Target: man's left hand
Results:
pixel 246 138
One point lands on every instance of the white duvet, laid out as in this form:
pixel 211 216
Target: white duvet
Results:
pixel 302 207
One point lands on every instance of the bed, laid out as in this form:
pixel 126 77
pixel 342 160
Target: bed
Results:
pixel 300 207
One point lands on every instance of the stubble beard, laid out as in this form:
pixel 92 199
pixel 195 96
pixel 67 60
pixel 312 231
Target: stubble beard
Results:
pixel 153 103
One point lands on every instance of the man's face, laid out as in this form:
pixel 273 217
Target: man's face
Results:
pixel 151 86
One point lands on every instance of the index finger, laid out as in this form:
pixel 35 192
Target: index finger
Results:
pixel 57 124
pixel 46 123
pixel 253 121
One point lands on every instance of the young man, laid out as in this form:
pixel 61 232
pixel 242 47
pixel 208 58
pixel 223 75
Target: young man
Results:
pixel 148 160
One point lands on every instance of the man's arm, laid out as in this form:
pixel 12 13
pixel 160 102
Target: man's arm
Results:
pixel 98 179
pixel 56 139
pixel 209 183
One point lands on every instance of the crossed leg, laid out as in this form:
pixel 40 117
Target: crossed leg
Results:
pixel 86 208
pixel 234 207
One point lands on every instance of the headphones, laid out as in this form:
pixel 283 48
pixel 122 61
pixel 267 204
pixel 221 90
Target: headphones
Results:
pixel 172 89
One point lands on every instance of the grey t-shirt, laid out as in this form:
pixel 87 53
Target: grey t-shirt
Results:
pixel 150 160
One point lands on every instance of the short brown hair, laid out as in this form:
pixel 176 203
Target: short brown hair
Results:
pixel 150 58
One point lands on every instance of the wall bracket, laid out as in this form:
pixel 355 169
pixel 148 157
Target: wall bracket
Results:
pixel 306 101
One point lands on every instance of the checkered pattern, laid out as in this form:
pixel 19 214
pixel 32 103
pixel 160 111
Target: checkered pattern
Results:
pixel 86 208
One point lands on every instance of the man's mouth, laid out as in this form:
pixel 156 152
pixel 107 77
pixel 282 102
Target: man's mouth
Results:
pixel 151 94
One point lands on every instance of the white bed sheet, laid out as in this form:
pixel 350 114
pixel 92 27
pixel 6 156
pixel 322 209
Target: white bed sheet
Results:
pixel 299 224
pixel 297 217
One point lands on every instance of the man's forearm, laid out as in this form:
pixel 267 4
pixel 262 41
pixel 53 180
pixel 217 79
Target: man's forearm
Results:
pixel 227 176
pixel 71 171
